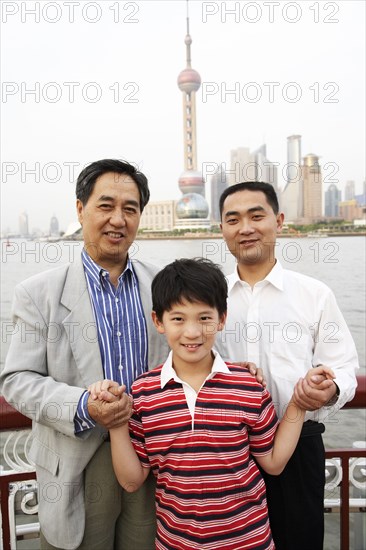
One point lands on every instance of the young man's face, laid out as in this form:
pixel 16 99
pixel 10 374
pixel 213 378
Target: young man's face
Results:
pixel 190 329
pixel 110 218
pixel 249 227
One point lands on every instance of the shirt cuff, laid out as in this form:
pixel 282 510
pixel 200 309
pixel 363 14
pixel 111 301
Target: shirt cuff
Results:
pixel 82 419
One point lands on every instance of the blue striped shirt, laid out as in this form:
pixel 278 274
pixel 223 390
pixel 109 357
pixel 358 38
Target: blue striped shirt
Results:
pixel 121 327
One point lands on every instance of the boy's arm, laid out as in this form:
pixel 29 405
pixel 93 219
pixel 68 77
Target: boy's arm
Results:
pixel 127 466
pixel 288 431
pixel 285 441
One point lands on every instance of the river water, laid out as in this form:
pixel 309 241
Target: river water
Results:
pixel 337 261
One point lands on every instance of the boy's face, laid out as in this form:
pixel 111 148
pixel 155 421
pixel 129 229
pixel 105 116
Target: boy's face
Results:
pixel 190 329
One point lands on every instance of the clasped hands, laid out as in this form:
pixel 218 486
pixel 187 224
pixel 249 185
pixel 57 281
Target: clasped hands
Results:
pixel 109 404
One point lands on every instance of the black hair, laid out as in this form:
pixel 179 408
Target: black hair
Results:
pixel 265 188
pixel 194 280
pixel 89 175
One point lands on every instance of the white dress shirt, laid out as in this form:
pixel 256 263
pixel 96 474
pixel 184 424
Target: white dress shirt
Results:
pixel 287 324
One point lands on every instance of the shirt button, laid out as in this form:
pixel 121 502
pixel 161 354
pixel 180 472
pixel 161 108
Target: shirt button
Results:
pixel 104 273
pixel 120 367
pixel 118 334
pixel 117 300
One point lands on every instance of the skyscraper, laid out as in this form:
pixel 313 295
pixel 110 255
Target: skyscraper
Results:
pixel 312 183
pixel 219 183
pixel 349 190
pixel 54 227
pixel 23 224
pixel 192 208
pixel 333 197
pixel 292 195
pixel 242 166
pixel 265 170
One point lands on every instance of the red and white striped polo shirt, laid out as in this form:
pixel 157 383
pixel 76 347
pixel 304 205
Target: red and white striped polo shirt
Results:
pixel 210 494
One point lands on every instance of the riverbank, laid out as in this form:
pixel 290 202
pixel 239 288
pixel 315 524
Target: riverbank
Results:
pixel 203 235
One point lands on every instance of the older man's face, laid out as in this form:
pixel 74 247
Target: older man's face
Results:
pixel 110 219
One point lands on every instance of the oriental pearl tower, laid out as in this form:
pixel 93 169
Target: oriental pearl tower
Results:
pixel 192 208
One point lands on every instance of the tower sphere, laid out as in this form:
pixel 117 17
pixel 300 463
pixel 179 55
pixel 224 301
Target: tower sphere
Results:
pixel 191 181
pixel 189 80
pixel 192 206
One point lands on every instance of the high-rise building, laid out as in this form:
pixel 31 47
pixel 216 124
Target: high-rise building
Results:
pixel 292 195
pixel 219 183
pixel 23 224
pixel 192 208
pixel 350 210
pixel 54 227
pixel 251 166
pixel 333 197
pixel 349 190
pixel 265 170
pixel 242 166
pixel 312 185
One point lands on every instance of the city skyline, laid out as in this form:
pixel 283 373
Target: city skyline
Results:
pixel 131 55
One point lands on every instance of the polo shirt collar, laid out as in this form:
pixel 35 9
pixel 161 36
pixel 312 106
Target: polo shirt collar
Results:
pixel 168 373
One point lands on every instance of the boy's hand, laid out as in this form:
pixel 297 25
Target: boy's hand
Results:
pixel 106 390
pixel 316 389
pixel 254 371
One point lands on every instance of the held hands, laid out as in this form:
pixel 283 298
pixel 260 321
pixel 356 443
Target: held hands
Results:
pixel 316 389
pixel 108 404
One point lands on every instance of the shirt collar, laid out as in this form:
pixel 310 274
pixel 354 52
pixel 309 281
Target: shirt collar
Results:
pixel 274 277
pixel 168 372
pixel 97 273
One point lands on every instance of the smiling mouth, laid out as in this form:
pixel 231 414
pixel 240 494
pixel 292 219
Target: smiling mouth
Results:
pixel 248 242
pixel 114 235
pixel 191 346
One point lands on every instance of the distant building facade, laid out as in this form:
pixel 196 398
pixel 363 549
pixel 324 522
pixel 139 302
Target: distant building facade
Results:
pixel 350 210
pixel 242 166
pixel 312 189
pixel 219 182
pixel 158 216
pixel 54 226
pixel 332 198
pixel 23 224
pixel 349 190
pixel 292 200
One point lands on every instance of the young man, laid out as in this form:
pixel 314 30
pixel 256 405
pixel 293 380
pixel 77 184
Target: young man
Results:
pixel 198 422
pixel 100 308
pixel 286 323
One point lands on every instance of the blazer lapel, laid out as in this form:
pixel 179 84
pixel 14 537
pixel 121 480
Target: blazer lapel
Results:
pixel 80 324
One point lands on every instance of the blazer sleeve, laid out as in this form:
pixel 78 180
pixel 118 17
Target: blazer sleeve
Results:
pixel 27 382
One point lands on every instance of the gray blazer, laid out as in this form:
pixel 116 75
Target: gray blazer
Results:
pixel 53 357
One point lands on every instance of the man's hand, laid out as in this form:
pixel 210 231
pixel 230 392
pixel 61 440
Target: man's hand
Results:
pixel 106 390
pixel 254 371
pixel 113 413
pixel 316 389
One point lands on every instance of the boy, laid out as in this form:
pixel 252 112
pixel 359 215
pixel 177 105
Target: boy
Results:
pixel 198 422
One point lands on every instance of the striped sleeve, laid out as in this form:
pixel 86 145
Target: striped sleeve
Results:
pixel 262 433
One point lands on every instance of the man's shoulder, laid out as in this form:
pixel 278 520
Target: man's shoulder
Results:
pixel 40 279
pixel 303 280
pixel 144 268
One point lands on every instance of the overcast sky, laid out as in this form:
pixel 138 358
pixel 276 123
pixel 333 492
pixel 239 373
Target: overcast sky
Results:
pixel 88 80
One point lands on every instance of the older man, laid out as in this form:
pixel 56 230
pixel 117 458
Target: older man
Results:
pixel 101 307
